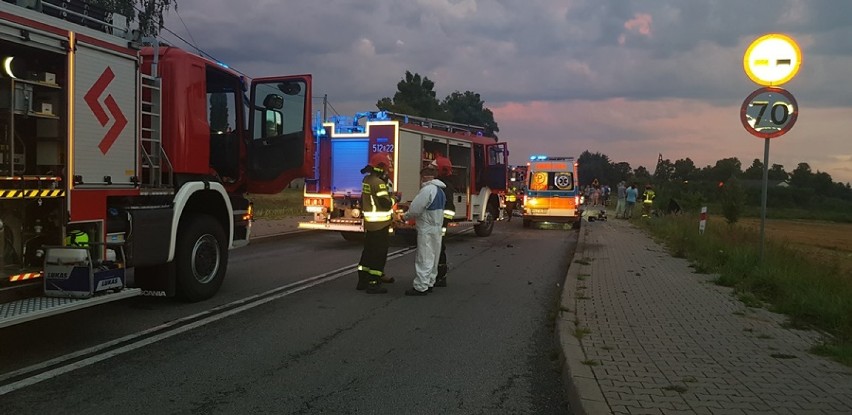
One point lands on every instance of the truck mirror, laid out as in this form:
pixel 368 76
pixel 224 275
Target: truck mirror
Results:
pixel 273 123
pixel 290 88
pixel 273 102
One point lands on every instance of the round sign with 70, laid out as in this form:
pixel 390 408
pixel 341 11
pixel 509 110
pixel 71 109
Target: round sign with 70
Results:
pixel 769 112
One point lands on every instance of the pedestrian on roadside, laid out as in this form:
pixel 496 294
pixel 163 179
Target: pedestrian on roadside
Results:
pixel 377 205
pixel 445 174
pixel 622 200
pixel 427 209
pixel 632 193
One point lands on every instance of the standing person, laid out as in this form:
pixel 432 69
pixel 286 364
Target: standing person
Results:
pixel 428 210
pixel 377 204
pixel 511 202
pixel 632 193
pixel 622 200
pixel 648 201
pixel 445 173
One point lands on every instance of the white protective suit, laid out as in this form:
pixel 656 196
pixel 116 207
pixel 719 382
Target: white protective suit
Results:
pixel 427 209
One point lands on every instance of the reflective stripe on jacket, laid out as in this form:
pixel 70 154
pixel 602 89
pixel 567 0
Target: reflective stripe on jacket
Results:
pixel 376 202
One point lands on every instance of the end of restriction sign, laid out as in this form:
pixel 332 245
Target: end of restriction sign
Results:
pixel 769 112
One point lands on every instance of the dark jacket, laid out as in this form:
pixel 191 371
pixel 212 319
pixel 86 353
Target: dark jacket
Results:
pixel 376 201
pixel 449 206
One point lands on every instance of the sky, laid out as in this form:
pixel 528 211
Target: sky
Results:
pixel 631 79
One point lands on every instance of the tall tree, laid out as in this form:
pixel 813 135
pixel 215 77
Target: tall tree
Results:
pixel 468 108
pixel 664 171
pixel 777 172
pixel 802 176
pixel 415 95
pixel 594 166
pixel 755 171
pixel 684 170
pixel 725 169
pixel 622 171
pixel 149 13
pixel 641 174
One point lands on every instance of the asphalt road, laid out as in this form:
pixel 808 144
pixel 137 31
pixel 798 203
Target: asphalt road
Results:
pixel 289 334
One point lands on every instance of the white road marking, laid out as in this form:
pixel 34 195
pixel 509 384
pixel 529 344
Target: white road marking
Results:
pixel 213 315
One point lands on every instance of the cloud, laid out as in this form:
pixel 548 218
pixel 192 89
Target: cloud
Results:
pixel 640 24
pixel 571 59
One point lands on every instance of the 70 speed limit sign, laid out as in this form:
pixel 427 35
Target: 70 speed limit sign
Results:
pixel 769 112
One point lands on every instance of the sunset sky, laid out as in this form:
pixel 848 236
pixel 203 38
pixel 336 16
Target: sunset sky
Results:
pixel 628 78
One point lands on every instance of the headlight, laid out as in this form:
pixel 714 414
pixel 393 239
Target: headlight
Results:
pixel 356 213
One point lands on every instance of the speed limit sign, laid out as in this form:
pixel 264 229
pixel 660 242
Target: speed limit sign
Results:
pixel 769 112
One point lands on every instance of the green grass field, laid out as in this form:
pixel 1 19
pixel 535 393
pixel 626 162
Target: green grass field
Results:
pixel 813 293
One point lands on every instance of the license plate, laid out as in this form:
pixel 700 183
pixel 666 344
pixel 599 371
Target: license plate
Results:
pixel 539 211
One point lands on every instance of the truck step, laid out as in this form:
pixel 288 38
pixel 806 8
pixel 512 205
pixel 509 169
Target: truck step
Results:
pixel 21 311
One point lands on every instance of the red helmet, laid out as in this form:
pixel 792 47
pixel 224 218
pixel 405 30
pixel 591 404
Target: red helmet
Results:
pixel 380 160
pixel 445 167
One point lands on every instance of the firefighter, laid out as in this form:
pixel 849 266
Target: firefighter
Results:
pixel 377 205
pixel 647 201
pixel 445 173
pixel 511 201
pixel 428 209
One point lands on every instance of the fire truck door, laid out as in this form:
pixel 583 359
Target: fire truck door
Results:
pixel 497 165
pixel 281 139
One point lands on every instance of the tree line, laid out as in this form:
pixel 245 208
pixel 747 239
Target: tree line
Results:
pixel 723 182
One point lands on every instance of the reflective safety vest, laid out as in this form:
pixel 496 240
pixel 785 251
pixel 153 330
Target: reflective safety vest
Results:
pixel 649 196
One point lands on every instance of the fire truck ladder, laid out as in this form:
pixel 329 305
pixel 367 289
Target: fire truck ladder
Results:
pixel 154 158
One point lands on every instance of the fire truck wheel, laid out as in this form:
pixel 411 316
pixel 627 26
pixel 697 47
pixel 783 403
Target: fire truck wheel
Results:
pixel 485 227
pixel 201 258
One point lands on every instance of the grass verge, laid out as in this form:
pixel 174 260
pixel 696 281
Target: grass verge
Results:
pixel 812 293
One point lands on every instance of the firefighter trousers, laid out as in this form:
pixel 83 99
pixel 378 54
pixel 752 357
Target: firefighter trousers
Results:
pixel 375 254
pixel 442 260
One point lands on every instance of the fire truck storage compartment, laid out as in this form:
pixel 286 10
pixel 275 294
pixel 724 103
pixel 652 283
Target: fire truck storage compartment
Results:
pixel 348 156
pixel 33 137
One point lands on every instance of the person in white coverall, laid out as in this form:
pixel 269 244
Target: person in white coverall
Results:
pixel 427 209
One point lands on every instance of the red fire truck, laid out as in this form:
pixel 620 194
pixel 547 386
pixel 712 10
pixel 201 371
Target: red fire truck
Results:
pixel 124 170
pixel 345 144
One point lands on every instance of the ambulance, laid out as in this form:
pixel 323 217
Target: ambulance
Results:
pixel 552 193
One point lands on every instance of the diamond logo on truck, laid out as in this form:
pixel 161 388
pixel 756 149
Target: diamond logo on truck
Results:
pixel 92 98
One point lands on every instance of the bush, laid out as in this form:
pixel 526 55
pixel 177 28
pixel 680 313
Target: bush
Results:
pixel 732 197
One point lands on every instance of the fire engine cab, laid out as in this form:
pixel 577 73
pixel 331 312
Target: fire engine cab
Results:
pixel 345 144
pixel 125 170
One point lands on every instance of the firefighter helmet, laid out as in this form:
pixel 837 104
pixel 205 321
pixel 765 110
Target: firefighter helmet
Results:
pixel 380 160
pixel 444 166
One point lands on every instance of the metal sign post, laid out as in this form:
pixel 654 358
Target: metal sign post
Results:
pixel 770 112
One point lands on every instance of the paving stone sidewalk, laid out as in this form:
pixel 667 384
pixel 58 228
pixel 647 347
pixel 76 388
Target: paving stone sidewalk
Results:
pixel 657 338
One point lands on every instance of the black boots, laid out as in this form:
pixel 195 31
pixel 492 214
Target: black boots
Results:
pixel 363 282
pixel 375 287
